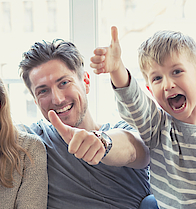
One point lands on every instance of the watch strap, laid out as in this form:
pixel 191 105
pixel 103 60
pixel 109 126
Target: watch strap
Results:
pixel 105 139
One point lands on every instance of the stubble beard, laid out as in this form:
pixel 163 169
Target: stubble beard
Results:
pixel 82 114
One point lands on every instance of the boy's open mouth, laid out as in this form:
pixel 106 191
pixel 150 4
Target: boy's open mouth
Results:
pixel 177 102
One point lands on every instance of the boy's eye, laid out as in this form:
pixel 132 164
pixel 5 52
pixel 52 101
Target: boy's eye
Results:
pixel 177 72
pixel 156 78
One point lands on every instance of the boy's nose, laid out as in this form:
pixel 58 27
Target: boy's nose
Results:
pixel 168 84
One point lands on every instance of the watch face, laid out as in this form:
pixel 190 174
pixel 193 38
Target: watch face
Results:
pixel 104 135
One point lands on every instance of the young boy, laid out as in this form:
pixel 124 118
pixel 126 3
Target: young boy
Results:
pixel 168 63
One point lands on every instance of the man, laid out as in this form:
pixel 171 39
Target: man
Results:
pixel 54 74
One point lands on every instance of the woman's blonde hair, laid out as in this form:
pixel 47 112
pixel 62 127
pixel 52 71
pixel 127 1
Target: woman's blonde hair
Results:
pixel 9 148
pixel 161 45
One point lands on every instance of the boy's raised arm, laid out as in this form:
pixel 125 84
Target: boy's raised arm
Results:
pixel 108 60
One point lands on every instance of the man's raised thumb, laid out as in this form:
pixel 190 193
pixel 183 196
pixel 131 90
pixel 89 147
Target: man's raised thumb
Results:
pixel 65 131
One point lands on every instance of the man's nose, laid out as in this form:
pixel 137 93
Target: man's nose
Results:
pixel 57 96
pixel 168 84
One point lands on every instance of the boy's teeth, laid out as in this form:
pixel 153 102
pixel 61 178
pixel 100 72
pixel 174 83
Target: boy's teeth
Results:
pixel 64 109
pixel 173 96
pixel 179 107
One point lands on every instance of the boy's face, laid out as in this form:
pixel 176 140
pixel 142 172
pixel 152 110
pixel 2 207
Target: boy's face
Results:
pixel 173 85
pixel 57 88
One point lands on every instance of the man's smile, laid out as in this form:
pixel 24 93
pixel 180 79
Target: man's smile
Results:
pixel 64 109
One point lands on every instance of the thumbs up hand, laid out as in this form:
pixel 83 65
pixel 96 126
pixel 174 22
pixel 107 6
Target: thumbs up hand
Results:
pixel 82 144
pixel 107 59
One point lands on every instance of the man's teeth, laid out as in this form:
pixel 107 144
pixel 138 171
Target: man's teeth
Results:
pixel 64 109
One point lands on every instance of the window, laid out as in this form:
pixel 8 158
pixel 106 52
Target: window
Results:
pixel 22 24
pixel 28 16
pixel 6 17
pixel 52 23
pixel 87 23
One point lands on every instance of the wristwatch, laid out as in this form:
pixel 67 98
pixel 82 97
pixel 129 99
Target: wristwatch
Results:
pixel 105 139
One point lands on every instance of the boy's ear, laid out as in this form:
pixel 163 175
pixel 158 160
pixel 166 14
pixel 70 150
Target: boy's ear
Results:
pixel 87 81
pixel 149 89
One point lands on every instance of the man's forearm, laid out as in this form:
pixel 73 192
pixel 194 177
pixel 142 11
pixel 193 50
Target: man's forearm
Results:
pixel 128 149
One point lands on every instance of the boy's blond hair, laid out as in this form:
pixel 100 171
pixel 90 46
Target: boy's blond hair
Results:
pixel 163 44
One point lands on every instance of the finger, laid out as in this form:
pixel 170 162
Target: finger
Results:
pixel 114 34
pixel 65 131
pixel 79 138
pixel 97 59
pixel 89 147
pixel 97 157
pixel 100 51
pixel 86 151
pixel 97 66
pixel 99 71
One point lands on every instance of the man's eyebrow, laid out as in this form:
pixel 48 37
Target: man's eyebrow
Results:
pixel 61 78
pixel 41 86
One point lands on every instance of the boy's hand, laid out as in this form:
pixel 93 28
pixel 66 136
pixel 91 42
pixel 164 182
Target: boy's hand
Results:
pixel 82 144
pixel 108 59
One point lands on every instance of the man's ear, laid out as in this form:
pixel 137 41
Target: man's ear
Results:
pixel 87 81
pixel 149 89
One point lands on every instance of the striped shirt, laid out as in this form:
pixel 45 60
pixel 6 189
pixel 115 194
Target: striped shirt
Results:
pixel 172 145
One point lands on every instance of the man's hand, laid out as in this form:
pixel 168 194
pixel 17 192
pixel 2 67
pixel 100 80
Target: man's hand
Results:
pixel 107 59
pixel 82 144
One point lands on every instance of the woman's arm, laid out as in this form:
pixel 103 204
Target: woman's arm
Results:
pixel 34 185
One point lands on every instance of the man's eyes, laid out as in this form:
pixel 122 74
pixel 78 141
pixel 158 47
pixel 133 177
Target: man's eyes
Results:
pixel 64 83
pixel 42 91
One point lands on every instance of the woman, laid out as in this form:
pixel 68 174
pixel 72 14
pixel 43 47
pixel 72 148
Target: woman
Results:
pixel 23 165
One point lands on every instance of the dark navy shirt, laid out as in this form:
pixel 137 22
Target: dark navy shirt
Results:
pixel 74 184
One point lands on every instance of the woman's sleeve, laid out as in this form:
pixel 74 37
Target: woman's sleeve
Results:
pixel 33 190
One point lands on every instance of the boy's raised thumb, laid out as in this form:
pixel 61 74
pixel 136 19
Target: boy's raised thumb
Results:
pixel 114 34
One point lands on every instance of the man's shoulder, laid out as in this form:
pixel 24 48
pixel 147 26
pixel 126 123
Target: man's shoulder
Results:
pixel 45 131
pixel 35 128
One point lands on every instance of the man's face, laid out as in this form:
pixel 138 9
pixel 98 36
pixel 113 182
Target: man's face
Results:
pixel 173 85
pixel 57 88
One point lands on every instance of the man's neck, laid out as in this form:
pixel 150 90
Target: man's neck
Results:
pixel 88 123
